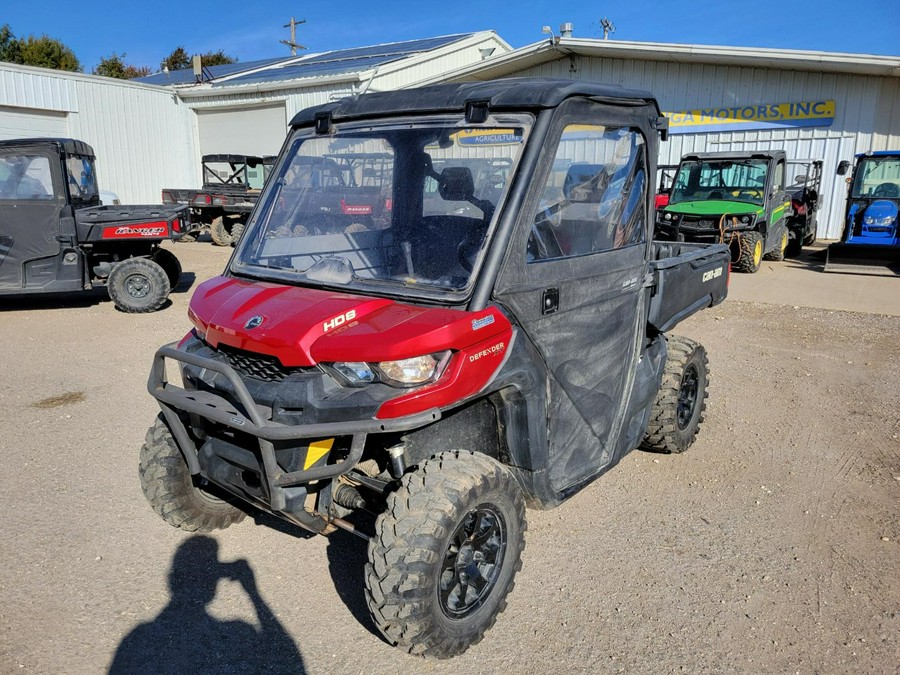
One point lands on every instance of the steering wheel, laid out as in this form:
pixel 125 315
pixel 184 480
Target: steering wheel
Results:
pixel 754 194
pixel 887 190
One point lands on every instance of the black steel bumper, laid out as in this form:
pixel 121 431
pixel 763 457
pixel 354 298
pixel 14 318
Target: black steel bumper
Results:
pixel 252 419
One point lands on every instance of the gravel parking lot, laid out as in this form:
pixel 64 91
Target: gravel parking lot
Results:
pixel 771 546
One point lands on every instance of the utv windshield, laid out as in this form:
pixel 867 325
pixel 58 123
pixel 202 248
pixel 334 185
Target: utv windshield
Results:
pixel 732 180
pixel 877 177
pixel 400 207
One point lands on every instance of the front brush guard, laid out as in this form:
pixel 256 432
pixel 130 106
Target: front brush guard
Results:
pixel 249 419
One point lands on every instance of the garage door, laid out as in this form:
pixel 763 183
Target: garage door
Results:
pixel 28 123
pixel 244 131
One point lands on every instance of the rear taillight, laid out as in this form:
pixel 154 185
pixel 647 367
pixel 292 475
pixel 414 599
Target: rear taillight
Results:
pixel 200 200
pixel 176 225
pixel 219 200
pixel 388 204
pixel 167 197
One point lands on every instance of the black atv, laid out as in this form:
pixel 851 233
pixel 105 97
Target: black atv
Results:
pixel 445 367
pixel 55 237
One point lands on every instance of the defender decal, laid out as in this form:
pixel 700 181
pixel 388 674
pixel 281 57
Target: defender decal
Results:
pixel 493 349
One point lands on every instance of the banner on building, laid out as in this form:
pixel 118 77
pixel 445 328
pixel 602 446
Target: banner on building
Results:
pixel 752 117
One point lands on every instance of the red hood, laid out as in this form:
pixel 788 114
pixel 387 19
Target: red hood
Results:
pixel 304 326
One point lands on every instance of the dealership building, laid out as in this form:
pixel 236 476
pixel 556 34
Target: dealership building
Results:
pixel 816 105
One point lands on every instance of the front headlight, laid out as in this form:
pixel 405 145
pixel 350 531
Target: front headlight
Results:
pixel 668 216
pixel 870 220
pixel 745 219
pixel 403 373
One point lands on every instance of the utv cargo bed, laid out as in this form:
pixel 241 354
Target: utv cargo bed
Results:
pixel 686 278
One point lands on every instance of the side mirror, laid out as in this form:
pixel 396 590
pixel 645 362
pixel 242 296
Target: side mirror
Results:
pixel 842 167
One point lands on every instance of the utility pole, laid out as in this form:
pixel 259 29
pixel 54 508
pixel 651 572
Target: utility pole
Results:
pixel 293 43
pixel 608 27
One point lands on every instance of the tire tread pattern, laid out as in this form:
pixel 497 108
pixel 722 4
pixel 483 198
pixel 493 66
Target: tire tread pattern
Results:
pixel 403 555
pixel 662 431
pixel 167 485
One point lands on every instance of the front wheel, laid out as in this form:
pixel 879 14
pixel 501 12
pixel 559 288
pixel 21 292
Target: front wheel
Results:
pixel 169 487
pixel 138 285
pixel 445 554
pixel 750 252
pixel 680 404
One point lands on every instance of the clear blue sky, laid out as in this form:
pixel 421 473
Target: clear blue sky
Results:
pixel 148 31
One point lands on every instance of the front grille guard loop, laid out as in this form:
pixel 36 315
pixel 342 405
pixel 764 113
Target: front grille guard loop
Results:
pixel 250 421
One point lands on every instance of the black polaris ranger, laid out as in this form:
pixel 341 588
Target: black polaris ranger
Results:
pixel 55 237
pixel 442 369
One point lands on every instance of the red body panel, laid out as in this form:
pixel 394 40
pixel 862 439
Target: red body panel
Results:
pixel 155 229
pixel 304 327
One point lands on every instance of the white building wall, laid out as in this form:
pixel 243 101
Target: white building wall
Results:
pixel 867 115
pixel 143 136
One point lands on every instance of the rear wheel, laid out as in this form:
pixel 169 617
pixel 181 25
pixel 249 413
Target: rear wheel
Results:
pixel 170 264
pixel 445 554
pixel 220 234
pixel 778 254
pixel 680 404
pixel 236 231
pixel 750 252
pixel 138 285
pixel 169 487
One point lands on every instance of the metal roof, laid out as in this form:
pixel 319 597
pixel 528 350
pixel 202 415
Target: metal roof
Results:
pixel 514 93
pixel 787 59
pixel 70 146
pixel 337 62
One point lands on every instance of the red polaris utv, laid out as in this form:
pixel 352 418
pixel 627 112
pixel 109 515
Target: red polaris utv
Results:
pixel 440 370
pixel 55 237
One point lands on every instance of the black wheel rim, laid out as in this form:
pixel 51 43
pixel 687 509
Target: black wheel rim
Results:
pixel 687 396
pixel 472 562
pixel 137 286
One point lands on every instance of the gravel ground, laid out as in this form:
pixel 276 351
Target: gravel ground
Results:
pixel 771 546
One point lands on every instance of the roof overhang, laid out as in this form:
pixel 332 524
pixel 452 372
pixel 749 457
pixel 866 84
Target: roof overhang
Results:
pixel 783 59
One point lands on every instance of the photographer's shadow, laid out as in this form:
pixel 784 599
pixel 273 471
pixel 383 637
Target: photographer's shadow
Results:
pixel 184 638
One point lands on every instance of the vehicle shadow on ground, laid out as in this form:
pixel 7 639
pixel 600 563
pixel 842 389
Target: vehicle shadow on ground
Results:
pixel 184 638
pixel 811 259
pixel 84 299
pixel 185 282
pixel 347 557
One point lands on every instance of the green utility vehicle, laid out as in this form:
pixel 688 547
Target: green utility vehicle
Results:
pixel 734 198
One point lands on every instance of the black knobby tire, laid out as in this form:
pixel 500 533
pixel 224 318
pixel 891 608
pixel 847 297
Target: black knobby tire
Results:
pixel 750 249
pixel 170 264
pixel 138 285
pixel 680 404
pixel 795 246
pixel 810 237
pixel 777 254
pixel 445 554
pixel 169 487
pixel 219 232
pixel 236 231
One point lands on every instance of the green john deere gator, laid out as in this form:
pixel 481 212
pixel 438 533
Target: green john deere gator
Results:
pixel 735 198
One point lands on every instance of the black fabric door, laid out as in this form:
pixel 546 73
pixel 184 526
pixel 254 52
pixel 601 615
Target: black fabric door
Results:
pixel 30 205
pixel 579 289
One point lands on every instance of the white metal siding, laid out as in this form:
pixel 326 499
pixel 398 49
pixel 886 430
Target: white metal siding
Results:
pixel 257 130
pixel 867 115
pixel 143 136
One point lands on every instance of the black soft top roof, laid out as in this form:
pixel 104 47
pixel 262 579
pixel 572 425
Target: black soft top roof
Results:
pixel 765 154
pixel 69 146
pixel 515 93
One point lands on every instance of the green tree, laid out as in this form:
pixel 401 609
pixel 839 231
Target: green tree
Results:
pixel 47 52
pixel 217 58
pixel 115 66
pixel 9 45
pixel 179 59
